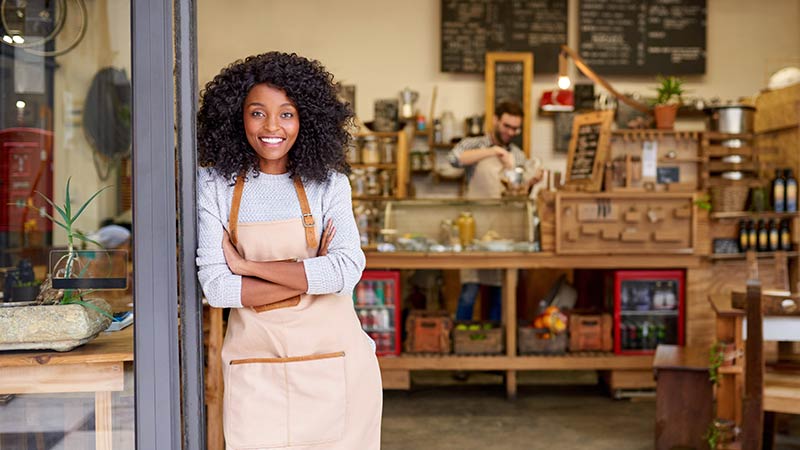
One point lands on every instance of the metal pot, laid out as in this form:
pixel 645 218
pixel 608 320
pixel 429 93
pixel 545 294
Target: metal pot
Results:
pixel 736 119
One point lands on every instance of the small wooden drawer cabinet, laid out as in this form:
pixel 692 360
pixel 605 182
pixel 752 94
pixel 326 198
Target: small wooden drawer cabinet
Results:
pixel 625 223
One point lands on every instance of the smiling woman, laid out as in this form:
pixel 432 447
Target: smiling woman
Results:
pixel 272 136
pixel 271 125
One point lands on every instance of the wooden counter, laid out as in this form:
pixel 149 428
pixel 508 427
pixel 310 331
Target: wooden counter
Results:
pixel 520 260
pixel 96 366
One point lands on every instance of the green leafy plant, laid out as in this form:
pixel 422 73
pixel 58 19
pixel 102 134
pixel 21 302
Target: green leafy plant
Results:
pixel 704 203
pixel 72 264
pixel 712 435
pixel 715 359
pixel 669 91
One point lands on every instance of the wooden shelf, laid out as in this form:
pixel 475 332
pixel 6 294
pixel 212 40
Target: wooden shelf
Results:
pixel 727 370
pixel 714 136
pixel 442 146
pixel 682 160
pixel 719 150
pixel 372 198
pixel 375 165
pixel 760 255
pixel 652 132
pixel 748 214
pixel 378 133
pixel 568 361
pixel 748 166
pixel 425 132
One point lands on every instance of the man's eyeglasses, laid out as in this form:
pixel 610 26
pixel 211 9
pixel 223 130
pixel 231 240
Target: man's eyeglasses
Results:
pixel 510 128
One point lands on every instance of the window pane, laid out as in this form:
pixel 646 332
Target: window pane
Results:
pixel 65 120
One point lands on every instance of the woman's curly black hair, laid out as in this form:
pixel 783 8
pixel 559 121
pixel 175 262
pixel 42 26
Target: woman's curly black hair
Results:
pixel 322 140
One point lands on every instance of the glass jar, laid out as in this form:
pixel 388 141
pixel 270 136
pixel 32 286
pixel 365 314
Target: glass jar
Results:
pixel 386 183
pixel 357 183
pixel 369 151
pixel 372 185
pixel 466 228
pixel 354 153
pixel 387 150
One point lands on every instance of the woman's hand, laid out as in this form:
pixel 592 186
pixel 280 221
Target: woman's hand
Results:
pixel 327 236
pixel 236 263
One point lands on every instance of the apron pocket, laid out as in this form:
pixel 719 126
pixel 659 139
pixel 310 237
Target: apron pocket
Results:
pixel 276 402
pixel 317 399
pixel 255 406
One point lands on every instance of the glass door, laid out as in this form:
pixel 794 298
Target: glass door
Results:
pixel 66 256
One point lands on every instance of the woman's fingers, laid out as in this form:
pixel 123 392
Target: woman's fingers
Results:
pixel 327 236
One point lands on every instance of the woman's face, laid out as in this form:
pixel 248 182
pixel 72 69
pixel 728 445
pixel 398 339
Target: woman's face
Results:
pixel 271 124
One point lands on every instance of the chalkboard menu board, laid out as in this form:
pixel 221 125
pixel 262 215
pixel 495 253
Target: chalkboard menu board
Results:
pixel 587 150
pixel 643 37
pixel 508 77
pixel 470 28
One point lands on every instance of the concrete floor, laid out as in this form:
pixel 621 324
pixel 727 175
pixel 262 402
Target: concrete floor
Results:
pixel 554 410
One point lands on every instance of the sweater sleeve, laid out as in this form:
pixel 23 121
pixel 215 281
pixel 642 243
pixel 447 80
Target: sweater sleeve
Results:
pixel 221 287
pixel 340 270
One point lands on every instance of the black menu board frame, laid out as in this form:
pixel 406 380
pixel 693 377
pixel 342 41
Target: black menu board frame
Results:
pixel 513 81
pixel 588 148
pixel 644 37
pixel 470 28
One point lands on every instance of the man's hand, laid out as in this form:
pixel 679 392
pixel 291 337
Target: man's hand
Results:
pixel 236 263
pixel 505 156
pixel 327 237
pixel 538 174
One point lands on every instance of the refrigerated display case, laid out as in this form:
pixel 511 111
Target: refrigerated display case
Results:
pixel 648 310
pixel 377 303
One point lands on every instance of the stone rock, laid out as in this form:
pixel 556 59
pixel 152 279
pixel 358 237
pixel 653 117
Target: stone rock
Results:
pixel 55 327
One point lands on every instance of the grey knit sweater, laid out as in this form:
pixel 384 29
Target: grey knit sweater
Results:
pixel 273 197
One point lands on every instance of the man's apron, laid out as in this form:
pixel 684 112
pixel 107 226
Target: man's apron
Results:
pixel 298 373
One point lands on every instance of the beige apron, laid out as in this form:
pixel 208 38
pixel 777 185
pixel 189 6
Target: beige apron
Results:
pixel 299 373
pixel 485 183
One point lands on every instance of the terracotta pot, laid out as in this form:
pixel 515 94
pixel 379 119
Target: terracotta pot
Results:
pixel 665 116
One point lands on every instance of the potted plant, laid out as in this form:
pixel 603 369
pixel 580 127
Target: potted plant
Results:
pixel 62 319
pixel 669 97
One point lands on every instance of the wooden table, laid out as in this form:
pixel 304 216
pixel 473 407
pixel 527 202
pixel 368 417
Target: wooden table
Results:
pixel 684 397
pixel 94 367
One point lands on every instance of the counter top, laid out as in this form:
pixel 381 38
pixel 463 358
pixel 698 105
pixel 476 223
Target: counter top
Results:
pixel 523 260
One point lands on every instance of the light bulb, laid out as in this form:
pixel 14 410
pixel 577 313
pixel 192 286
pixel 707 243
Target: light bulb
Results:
pixel 18 39
pixel 7 39
pixel 564 82
pixel 20 104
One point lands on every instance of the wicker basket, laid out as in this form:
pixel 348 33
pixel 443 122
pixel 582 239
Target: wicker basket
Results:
pixel 729 198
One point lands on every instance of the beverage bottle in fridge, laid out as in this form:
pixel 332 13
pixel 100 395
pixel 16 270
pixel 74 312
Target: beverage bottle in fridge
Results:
pixel 379 295
pixel 362 317
pixel 360 293
pixel 623 335
pixel 388 292
pixel 633 335
pixel 386 319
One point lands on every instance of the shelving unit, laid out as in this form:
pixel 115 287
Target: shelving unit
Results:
pixel 679 150
pixel 398 167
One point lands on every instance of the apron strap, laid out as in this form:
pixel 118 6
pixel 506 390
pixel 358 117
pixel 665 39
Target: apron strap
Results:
pixel 308 219
pixel 233 217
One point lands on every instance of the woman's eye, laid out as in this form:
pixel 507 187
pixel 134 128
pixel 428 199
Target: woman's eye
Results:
pixel 287 115
pixel 257 114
